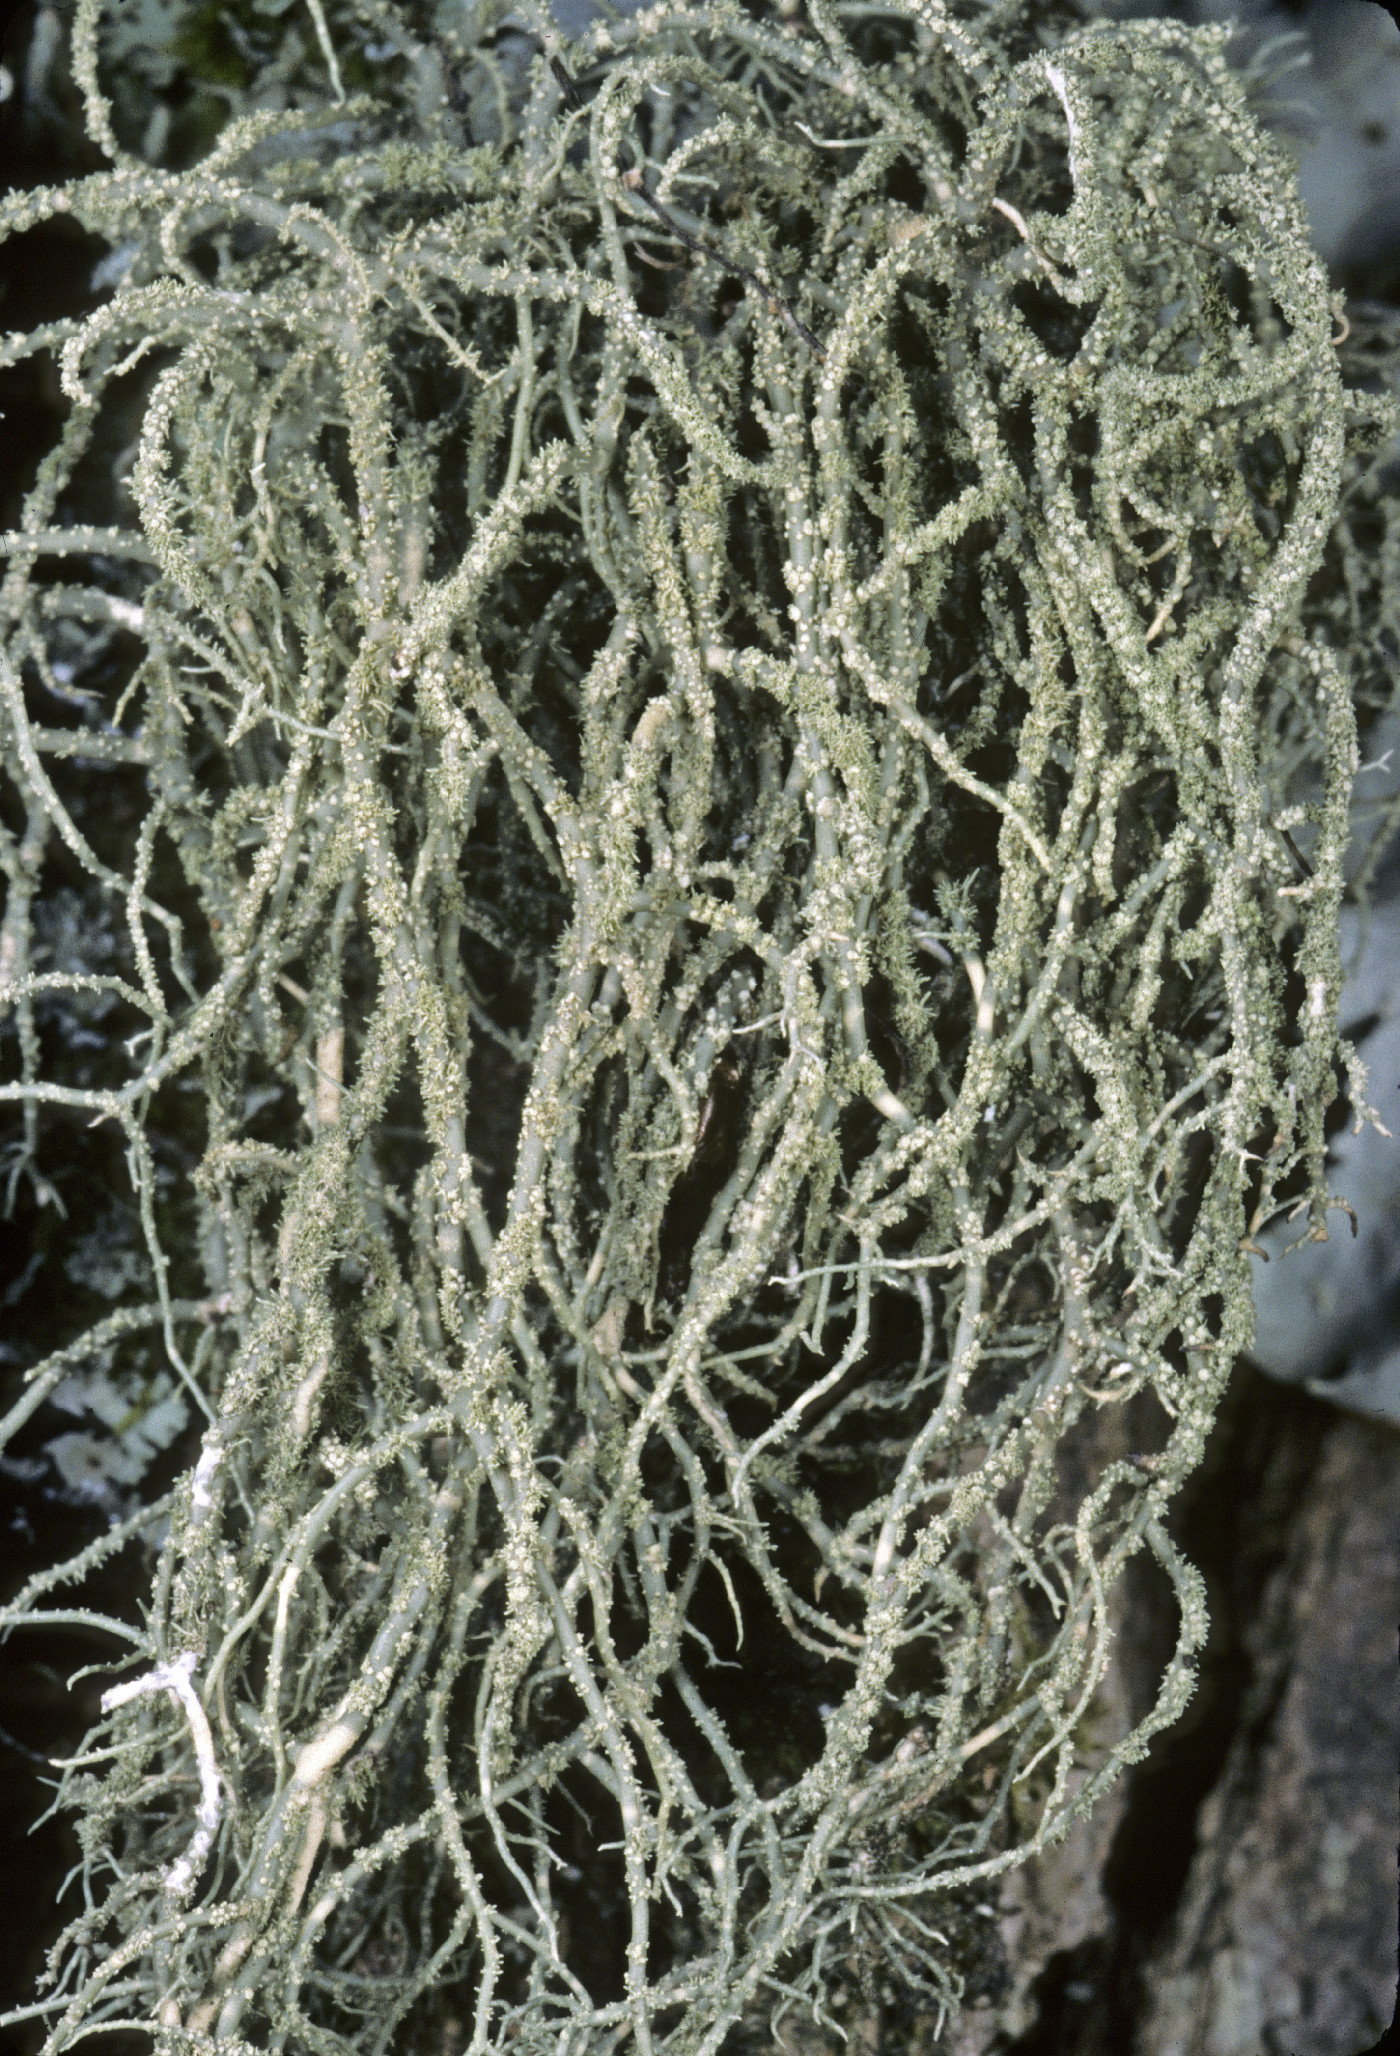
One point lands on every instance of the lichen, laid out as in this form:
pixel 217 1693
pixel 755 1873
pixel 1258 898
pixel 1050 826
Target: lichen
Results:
pixel 725 677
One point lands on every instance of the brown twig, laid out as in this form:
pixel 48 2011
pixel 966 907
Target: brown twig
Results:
pixel 572 96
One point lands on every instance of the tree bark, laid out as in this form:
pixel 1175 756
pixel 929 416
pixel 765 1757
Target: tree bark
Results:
pixel 1237 1896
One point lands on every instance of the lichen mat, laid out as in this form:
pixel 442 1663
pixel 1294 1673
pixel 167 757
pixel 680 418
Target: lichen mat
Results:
pixel 722 683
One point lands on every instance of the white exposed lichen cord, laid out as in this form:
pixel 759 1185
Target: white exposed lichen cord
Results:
pixel 177 1679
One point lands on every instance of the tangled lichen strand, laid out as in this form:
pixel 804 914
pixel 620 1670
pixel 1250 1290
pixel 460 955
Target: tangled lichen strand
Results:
pixel 719 632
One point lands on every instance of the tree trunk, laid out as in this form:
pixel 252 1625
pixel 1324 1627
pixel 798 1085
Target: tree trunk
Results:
pixel 1238 1895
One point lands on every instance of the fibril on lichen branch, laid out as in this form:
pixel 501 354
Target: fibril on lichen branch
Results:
pixel 724 634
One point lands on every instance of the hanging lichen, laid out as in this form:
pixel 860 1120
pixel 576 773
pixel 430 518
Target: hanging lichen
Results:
pixel 721 706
